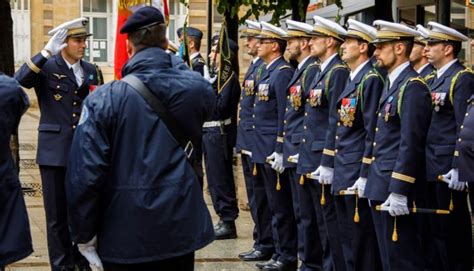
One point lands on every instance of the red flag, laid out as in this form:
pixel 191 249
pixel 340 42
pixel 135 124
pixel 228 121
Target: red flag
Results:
pixel 125 9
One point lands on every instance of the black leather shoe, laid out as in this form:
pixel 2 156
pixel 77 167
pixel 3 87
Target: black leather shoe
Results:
pixel 218 225
pixel 226 231
pixel 246 253
pixel 279 266
pixel 263 264
pixel 255 256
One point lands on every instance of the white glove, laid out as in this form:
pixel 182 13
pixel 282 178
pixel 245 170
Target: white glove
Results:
pixel 326 174
pixel 452 178
pixel 88 250
pixel 360 186
pixel 276 161
pixel 396 204
pixel 56 43
pixel 294 158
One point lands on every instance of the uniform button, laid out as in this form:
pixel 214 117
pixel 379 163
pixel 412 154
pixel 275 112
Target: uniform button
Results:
pixel 459 140
pixel 75 92
pixel 376 129
pixel 305 113
pixel 304 127
pixel 467 114
pixel 241 98
pixel 286 109
pixel 337 137
pixel 284 133
pixel 73 115
pixel 254 104
pixel 304 140
pixel 253 115
pixel 335 151
pixel 74 127
pixel 472 103
pixel 338 123
pixel 462 126
pixel 374 144
pixel 373 158
pixel 58 86
pixel 288 97
pixel 380 114
pixel 253 126
pixel 74 103
pixel 284 122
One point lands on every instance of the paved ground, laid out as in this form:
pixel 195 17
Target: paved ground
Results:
pixel 220 255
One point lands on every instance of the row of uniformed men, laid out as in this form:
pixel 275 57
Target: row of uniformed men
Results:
pixel 340 154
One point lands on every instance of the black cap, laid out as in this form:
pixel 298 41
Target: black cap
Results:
pixel 194 32
pixel 233 46
pixel 142 18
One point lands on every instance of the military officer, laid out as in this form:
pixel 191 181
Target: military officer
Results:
pixel 309 244
pixel 219 133
pixel 316 153
pixel 61 80
pixel 263 246
pixel 138 204
pixel 450 92
pixel 269 111
pixel 355 130
pixel 15 233
pixel 194 37
pixel 418 58
pixel 402 120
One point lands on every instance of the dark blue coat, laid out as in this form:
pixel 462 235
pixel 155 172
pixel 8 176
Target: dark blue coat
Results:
pixel 356 127
pixel 60 101
pixel 400 138
pixel 269 110
pixel 319 125
pixel 128 179
pixel 466 146
pixel 428 73
pixel 447 117
pixel 15 237
pixel 245 135
pixel 198 64
pixel 296 96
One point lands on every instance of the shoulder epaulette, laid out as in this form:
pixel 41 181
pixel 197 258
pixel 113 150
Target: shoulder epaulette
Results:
pixel 402 91
pixel 429 76
pixel 453 83
pixel 303 77
pixel 360 88
pixel 284 67
pixel 329 74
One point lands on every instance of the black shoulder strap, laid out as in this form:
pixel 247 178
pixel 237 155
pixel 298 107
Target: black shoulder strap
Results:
pixel 162 111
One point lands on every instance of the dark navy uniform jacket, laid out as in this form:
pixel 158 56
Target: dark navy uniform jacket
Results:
pixel 355 132
pixel 269 110
pixel 294 112
pixel 15 237
pixel 245 135
pixel 198 64
pixel 428 73
pixel 319 125
pixel 466 145
pixel 449 108
pixel 400 137
pixel 226 108
pixel 60 100
pixel 128 179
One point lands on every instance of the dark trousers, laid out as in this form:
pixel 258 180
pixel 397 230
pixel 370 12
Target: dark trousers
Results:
pixel 181 263
pixel 310 248
pixel 327 214
pixel 450 234
pixel 283 218
pixel 405 253
pixel 259 209
pixel 62 253
pixel 219 174
pixel 359 243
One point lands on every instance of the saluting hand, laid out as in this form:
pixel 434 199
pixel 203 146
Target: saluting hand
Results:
pixel 56 43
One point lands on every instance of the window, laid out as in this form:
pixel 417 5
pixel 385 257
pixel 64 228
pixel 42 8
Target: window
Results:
pixel 98 12
pixel 177 17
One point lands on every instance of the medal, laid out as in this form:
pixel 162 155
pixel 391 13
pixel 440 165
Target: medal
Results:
pixel 347 111
pixel 387 112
